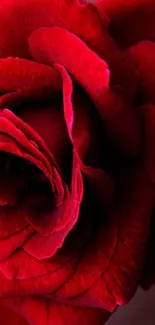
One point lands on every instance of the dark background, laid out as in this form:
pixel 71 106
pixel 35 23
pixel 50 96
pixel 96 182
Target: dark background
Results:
pixel 140 311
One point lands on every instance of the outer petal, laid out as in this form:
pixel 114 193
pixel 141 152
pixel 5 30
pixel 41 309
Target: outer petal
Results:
pixel 9 245
pixel 131 21
pixel 120 248
pixel 143 56
pixel 9 316
pixel 9 225
pixel 17 74
pixel 97 276
pixel 24 17
pixel 29 275
pixel 50 46
pixel 46 46
pixel 149 127
pixel 19 19
pixel 52 313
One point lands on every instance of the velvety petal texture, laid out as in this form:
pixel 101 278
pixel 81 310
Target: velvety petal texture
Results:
pixel 9 316
pixel 130 21
pixel 50 312
pixel 77 177
pixel 91 73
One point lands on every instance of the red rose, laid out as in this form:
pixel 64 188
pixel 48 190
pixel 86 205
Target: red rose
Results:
pixel 77 158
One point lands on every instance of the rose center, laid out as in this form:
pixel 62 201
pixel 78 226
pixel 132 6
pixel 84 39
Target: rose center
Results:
pixel 22 181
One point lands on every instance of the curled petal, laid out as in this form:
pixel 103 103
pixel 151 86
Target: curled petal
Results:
pixel 121 247
pixel 23 266
pixel 42 247
pixel 97 179
pixel 17 74
pixel 98 276
pixel 48 121
pixel 91 72
pixel 46 46
pixel 39 155
pixel 61 223
pixel 19 20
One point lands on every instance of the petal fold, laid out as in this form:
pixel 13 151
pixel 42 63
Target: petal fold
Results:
pixel 130 21
pixel 91 73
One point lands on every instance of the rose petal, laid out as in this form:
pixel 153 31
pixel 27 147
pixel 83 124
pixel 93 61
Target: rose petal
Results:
pixel 121 123
pixel 29 207
pixel 50 311
pixel 19 20
pixel 98 296
pixel 97 179
pixel 143 56
pixel 131 21
pixel 20 73
pixel 87 129
pixel 23 266
pixel 11 221
pixel 46 47
pixel 44 276
pixel 36 146
pixel 51 244
pixel 148 154
pixel 66 220
pixel 45 247
pixel 27 17
pixel 9 245
pixel 9 316
pixel 113 257
pixel 10 129
pixel 48 122
pixel 43 159
pixel 91 72
pixel 120 255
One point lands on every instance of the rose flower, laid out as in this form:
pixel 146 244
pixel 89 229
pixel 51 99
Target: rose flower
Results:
pixel 77 135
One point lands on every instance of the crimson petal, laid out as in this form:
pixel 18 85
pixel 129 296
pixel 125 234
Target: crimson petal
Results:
pixel 120 248
pixel 11 221
pixel 130 21
pixel 9 316
pixel 108 262
pixel 97 178
pixel 13 126
pixel 23 18
pixel 9 245
pixel 47 120
pixel 148 154
pixel 46 46
pixel 143 56
pixel 42 247
pixel 17 74
pixel 61 314
pixel 24 266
